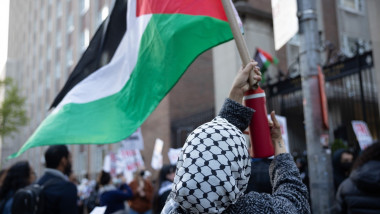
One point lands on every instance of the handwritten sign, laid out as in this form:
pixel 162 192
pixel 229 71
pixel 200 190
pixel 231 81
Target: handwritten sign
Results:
pixel 363 135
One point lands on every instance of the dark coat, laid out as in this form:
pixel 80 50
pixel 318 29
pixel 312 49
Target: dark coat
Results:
pixel 259 180
pixel 114 199
pixel 61 197
pixel 360 193
pixel 339 173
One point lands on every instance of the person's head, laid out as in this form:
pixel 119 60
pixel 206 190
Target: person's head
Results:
pixel 213 168
pixel 346 160
pixel 167 173
pixel 19 175
pixel 342 160
pixel 58 157
pixel 104 178
pixel 370 153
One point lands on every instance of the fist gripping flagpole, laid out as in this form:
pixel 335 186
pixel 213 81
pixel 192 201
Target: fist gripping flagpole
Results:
pixel 259 132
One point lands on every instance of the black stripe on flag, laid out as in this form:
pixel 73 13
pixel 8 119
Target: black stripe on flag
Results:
pixel 258 59
pixel 100 50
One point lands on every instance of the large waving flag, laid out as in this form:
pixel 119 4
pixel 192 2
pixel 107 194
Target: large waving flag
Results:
pixel 103 104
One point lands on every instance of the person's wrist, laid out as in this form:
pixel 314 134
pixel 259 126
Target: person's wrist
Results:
pixel 236 95
pixel 279 146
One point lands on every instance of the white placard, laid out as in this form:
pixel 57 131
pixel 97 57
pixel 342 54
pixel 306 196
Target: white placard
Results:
pixel 363 135
pixel 173 155
pixel 159 144
pixel 135 141
pixel 157 161
pixel 99 210
pixel 123 162
pixel 157 154
pixel 285 21
pixel 284 130
pixel 107 164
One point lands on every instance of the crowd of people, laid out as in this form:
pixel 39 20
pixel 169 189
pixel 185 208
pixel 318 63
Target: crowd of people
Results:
pixel 64 195
pixel 214 174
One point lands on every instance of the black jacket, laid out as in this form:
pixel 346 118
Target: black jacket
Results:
pixel 61 197
pixel 360 193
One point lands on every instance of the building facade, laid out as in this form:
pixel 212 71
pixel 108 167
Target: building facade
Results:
pixel 46 39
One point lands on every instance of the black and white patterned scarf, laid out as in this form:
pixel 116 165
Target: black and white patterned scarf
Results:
pixel 213 169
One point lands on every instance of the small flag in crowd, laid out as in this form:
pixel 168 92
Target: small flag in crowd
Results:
pixel 132 62
pixel 264 59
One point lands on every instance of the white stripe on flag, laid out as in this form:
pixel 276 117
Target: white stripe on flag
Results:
pixel 262 57
pixel 112 77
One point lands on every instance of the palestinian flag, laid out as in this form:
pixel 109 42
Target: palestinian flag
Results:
pixel 132 62
pixel 264 59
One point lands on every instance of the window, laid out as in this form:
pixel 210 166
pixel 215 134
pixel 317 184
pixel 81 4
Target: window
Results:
pixel 41 65
pixel 104 13
pixel 85 39
pixel 57 70
pixel 59 9
pixel 59 39
pixel 349 45
pixel 70 23
pixel 353 5
pixel 50 25
pixel 48 81
pixel 48 53
pixel 42 11
pixel 69 57
pixel 84 6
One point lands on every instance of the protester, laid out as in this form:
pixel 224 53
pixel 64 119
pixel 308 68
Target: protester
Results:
pixel 142 189
pixel 19 175
pixel 60 194
pixel 165 182
pixel 360 193
pixel 94 199
pixel 342 163
pixel 112 197
pixel 214 165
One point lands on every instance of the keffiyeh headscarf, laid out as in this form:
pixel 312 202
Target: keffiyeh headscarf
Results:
pixel 213 168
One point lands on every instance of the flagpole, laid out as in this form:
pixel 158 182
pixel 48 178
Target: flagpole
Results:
pixel 239 39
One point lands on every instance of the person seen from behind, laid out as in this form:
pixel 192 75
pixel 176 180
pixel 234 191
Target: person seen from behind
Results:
pixel 19 175
pixel 61 194
pixel 214 166
pixel 360 193
pixel 112 197
pixel 165 182
pixel 142 189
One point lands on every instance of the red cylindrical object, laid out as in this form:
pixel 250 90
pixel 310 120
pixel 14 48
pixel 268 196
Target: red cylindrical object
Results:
pixel 259 131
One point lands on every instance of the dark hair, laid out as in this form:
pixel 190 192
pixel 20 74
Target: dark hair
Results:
pixel 18 176
pixel 165 170
pixel 371 153
pixel 54 155
pixel 104 178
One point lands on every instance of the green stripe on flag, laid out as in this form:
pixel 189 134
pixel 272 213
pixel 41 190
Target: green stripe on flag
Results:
pixel 169 45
